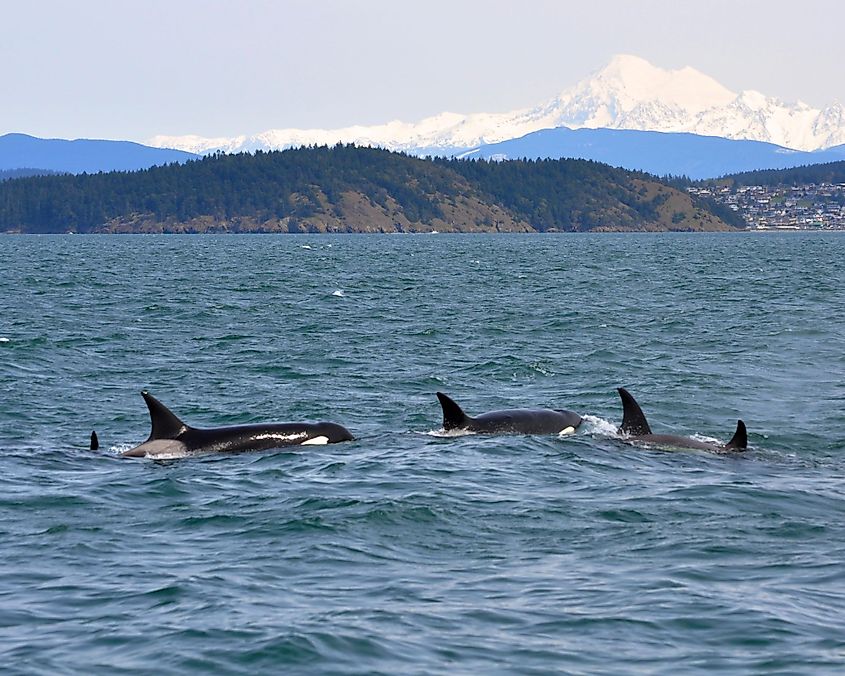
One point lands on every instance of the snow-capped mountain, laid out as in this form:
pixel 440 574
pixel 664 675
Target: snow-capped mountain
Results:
pixel 628 93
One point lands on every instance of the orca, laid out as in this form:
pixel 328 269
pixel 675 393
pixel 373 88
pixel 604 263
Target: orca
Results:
pixel 95 442
pixel 172 438
pixel 509 421
pixel 635 428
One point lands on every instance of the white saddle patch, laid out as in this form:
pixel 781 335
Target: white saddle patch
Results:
pixel 566 431
pixel 284 438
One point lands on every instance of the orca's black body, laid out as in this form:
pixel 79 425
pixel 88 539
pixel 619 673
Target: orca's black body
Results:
pixel 510 421
pixel 635 427
pixel 171 438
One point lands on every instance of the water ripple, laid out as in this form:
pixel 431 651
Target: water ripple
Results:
pixel 408 552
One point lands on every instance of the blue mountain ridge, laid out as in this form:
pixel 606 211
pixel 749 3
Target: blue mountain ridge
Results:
pixel 658 153
pixel 82 155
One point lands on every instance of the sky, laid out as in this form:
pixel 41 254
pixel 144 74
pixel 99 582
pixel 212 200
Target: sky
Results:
pixel 120 69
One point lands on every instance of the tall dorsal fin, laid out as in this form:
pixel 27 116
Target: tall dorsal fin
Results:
pixel 739 441
pixel 453 415
pixel 95 442
pixel 165 423
pixel 633 418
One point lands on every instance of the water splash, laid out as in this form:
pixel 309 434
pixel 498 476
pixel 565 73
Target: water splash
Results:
pixel 447 434
pixel 597 426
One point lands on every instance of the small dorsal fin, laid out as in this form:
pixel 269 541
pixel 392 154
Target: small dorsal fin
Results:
pixel 95 442
pixel 453 415
pixel 633 418
pixel 739 441
pixel 165 424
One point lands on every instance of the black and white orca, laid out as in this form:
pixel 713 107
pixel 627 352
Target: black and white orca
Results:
pixel 172 438
pixel 509 421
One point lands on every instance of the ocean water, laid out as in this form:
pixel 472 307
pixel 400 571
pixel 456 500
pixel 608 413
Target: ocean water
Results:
pixel 406 552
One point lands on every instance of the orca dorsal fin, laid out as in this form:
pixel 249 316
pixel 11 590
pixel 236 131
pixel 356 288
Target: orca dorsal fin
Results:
pixel 95 442
pixel 453 415
pixel 739 441
pixel 633 418
pixel 165 424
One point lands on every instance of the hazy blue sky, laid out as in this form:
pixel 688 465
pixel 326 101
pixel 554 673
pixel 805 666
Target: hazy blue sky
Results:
pixel 115 69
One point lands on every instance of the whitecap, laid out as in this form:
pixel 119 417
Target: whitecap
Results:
pixel 3 339
pixel 339 293
pixel 538 366
pixel 444 434
pixel 592 424
pixel 119 449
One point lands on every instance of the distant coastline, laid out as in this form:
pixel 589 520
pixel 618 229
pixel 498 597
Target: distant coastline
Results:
pixel 352 189
pixel 347 189
pixel 804 198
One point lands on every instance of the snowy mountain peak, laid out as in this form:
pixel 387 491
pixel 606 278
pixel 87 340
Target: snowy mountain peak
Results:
pixel 632 80
pixel 627 68
pixel 628 93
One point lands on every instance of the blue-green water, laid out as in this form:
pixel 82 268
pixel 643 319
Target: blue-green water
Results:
pixel 405 552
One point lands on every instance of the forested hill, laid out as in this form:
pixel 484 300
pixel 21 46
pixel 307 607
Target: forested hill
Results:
pixel 351 189
pixel 832 172
pixel 6 174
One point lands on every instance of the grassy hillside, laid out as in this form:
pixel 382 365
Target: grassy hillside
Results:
pixel 351 189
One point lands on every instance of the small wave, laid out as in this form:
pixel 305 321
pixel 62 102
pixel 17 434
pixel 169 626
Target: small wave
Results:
pixel 707 440
pixel 594 425
pixel 444 434
pixel 541 368
pixel 3 339
pixel 159 457
pixel 305 246
pixel 339 293
pixel 119 449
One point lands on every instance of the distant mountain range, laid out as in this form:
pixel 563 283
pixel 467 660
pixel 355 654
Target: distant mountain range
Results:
pixel 630 114
pixel 628 93
pixel 659 153
pixel 662 154
pixel 18 151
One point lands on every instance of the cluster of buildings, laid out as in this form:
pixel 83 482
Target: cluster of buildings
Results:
pixel 805 207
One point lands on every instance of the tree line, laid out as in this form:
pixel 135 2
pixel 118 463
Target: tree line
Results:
pixel 830 172
pixel 304 182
